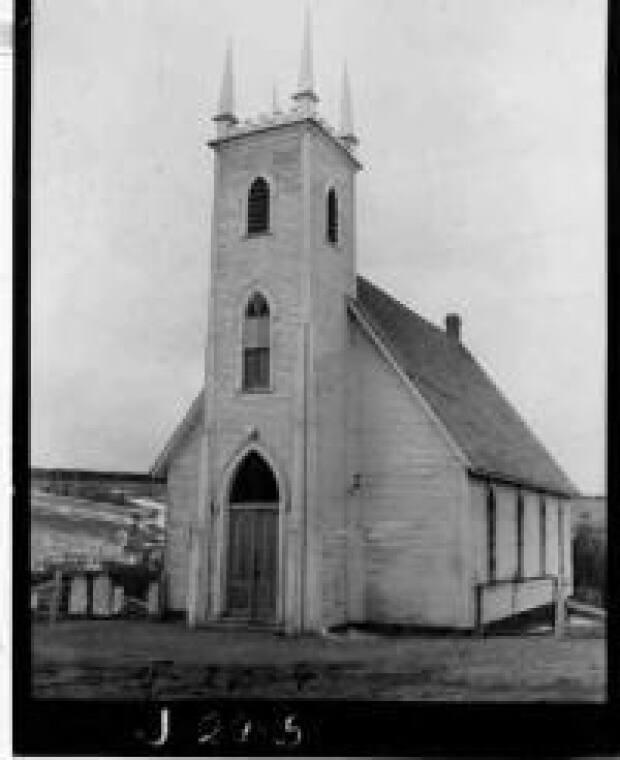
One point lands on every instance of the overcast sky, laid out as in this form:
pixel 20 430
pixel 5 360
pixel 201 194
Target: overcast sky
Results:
pixel 481 128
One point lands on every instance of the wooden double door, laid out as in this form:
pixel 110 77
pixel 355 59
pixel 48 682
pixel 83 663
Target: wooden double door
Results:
pixel 252 577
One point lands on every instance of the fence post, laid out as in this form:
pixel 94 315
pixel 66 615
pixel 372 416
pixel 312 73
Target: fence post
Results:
pixel 56 594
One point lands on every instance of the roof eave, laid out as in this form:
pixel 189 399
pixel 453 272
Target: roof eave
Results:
pixel 480 473
pixel 159 469
pixel 261 128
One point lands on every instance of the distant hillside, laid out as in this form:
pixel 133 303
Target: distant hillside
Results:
pixel 66 528
pixel 113 487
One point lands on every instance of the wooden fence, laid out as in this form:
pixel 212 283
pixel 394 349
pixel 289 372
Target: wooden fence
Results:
pixel 96 594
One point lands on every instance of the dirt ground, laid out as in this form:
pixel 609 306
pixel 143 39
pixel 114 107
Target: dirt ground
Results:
pixel 123 659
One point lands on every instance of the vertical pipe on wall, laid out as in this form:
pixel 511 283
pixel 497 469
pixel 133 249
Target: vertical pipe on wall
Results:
pixel 201 521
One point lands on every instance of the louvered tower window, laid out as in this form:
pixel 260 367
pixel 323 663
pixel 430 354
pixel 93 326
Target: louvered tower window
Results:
pixel 258 206
pixel 256 344
pixel 332 216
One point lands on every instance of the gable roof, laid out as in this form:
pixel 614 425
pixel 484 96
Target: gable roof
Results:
pixel 484 425
pixel 495 439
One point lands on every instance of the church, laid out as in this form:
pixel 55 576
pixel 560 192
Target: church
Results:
pixel 347 461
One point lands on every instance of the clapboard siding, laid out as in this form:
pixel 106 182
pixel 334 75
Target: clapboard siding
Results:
pixel 331 489
pixel 413 490
pixel 333 578
pixel 183 501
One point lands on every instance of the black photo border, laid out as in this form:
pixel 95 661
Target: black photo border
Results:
pixel 108 728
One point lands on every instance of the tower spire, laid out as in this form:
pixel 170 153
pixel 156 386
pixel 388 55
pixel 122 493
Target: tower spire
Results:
pixel 225 116
pixel 347 132
pixel 305 95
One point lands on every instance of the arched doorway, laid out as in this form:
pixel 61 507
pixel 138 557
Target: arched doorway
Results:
pixel 252 576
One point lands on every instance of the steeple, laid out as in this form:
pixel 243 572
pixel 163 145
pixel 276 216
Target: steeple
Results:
pixel 347 133
pixel 225 117
pixel 305 95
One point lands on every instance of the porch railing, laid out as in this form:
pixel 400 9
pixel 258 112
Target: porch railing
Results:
pixel 505 598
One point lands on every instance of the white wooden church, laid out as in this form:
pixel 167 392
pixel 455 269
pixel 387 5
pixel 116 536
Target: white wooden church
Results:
pixel 347 461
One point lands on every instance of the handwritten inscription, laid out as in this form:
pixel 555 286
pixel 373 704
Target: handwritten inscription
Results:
pixel 216 730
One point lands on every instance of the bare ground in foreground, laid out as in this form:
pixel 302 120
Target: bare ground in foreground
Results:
pixel 132 659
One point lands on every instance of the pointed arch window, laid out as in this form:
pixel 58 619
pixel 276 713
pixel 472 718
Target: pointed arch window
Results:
pixel 256 348
pixel 258 206
pixel 332 216
pixel 254 482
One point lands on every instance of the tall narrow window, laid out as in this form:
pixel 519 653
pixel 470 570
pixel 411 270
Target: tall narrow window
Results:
pixel 560 540
pixel 332 216
pixel 258 206
pixel 256 344
pixel 543 536
pixel 520 515
pixel 491 531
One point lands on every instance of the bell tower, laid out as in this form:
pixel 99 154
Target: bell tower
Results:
pixel 282 263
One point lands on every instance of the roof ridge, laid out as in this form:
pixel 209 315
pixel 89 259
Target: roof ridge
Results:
pixel 402 305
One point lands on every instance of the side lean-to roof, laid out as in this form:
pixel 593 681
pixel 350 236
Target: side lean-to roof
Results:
pixel 193 417
pixel 495 440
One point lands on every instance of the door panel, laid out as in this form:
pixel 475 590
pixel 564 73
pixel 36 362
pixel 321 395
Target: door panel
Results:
pixel 239 562
pixel 266 547
pixel 252 563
